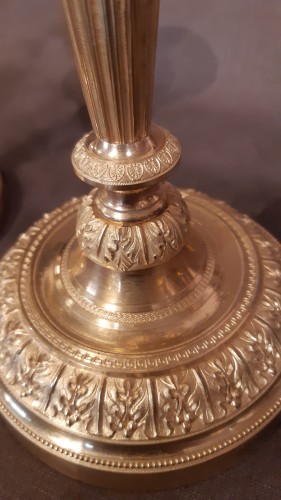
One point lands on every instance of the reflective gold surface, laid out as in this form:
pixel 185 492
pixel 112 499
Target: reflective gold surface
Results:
pixel 140 325
pixel 142 379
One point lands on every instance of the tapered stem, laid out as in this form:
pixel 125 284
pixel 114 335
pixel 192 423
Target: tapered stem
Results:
pixel 115 44
pixel 133 213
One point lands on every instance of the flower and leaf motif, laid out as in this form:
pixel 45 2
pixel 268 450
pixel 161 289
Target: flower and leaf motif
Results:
pixel 123 248
pixel 126 408
pixel 273 271
pixel 232 380
pixel 8 295
pixel 271 308
pixel 91 166
pixel 184 400
pixel 220 386
pixel 20 358
pixel 132 246
pixel 77 400
pixel 178 407
pixel 244 369
pixel 29 370
pixel 263 352
pixel 27 367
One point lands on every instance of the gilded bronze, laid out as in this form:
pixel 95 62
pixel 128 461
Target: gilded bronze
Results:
pixel 140 325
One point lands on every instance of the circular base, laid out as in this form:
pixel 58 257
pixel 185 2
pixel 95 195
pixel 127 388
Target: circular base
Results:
pixel 145 378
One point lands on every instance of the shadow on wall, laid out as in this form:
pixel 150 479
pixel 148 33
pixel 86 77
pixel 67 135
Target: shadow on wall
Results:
pixel 12 185
pixel 233 156
pixel 231 153
pixel 225 152
pixel 270 218
pixel 72 91
pixel 186 65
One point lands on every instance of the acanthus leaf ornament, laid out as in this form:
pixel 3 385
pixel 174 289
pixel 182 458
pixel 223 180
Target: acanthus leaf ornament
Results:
pixel 161 406
pixel 130 246
pixel 139 325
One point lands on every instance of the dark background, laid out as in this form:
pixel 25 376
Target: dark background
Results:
pixel 218 89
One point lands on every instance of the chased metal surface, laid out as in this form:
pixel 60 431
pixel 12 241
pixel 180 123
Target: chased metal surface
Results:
pixel 138 244
pixel 144 336
pixel 83 395
pixel 150 165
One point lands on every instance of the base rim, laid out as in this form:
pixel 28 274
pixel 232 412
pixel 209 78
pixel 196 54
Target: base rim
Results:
pixel 146 463
pixel 153 479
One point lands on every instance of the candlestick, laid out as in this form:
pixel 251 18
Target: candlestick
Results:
pixel 140 324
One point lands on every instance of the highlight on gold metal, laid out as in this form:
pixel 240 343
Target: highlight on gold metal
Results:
pixel 140 325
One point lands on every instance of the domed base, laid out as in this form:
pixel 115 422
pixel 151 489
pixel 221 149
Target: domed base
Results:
pixel 145 378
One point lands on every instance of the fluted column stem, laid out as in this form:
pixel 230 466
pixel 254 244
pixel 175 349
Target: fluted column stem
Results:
pixel 133 220
pixel 115 43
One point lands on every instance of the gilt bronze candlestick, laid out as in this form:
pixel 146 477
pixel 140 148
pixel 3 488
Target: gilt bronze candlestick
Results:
pixel 140 325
